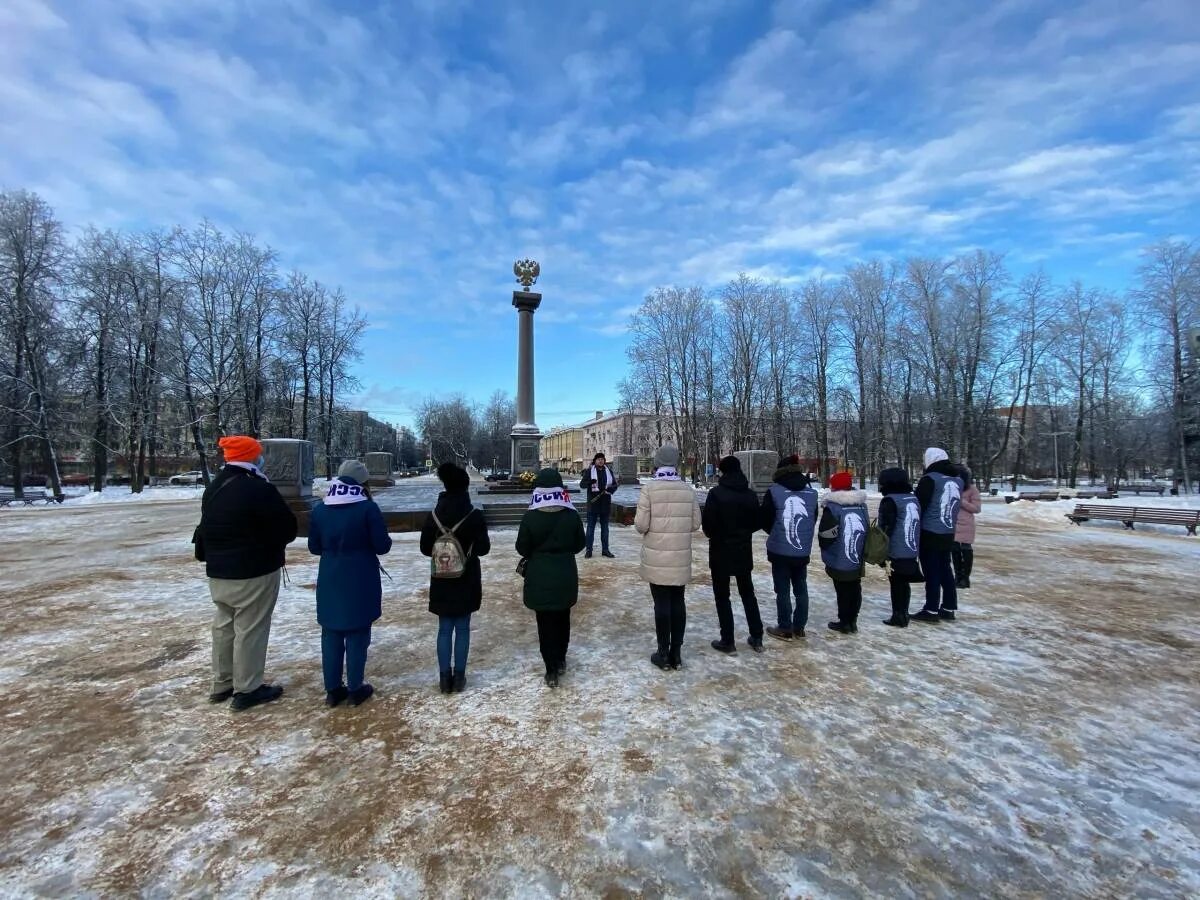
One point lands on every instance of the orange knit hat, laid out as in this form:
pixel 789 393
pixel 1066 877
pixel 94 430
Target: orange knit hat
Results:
pixel 240 448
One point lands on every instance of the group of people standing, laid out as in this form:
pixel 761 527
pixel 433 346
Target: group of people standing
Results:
pixel 245 527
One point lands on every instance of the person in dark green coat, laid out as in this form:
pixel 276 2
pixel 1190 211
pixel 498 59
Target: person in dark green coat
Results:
pixel 550 535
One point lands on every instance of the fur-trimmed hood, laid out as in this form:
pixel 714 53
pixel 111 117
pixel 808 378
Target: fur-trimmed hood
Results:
pixel 852 497
pixel 794 478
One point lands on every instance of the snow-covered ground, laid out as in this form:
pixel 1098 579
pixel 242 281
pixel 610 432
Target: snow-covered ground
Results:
pixel 1044 745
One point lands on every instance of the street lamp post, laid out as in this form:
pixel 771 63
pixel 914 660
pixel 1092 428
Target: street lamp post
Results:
pixel 1055 435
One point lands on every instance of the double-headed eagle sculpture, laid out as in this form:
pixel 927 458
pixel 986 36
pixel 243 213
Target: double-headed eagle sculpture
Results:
pixel 527 272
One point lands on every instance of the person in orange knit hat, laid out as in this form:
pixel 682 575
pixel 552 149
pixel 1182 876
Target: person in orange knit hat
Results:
pixel 245 527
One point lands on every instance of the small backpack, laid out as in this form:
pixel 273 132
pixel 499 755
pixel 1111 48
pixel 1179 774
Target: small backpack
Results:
pixel 876 552
pixel 448 559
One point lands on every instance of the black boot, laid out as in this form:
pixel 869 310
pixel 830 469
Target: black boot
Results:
pixel 727 647
pixel 460 681
pixel 844 627
pixel 899 620
pixel 446 682
pixel 264 693
pixel 336 696
pixel 662 630
pixel 551 679
pixel 926 616
pixel 361 695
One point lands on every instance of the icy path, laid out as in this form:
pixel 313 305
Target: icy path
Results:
pixel 1044 745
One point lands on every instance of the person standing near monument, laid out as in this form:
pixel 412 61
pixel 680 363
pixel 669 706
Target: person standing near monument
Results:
pixel 842 534
pixel 454 599
pixel 789 517
pixel 939 492
pixel 730 518
pixel 600 484
pixel 549 537
pixel 244 530
pixel 348 532
pixel 667 515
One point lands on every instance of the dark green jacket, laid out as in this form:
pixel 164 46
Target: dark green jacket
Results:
pixel 550 540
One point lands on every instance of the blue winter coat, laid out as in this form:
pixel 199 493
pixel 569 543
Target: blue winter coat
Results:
pixel 348 539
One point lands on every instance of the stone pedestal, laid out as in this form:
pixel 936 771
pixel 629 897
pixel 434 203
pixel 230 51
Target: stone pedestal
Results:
pixel 379 469
pixel 759 467
pixel 625 468
pixel 289 465
pixel 525 449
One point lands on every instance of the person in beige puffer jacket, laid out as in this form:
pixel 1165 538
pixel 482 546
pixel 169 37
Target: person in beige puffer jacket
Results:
pixel 667 515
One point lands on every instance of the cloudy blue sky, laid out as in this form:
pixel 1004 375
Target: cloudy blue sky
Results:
pixel 410 151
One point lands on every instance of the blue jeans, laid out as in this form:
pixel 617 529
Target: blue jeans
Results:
pixel 456 630
pixel 598 510
pixel 940 590
pixel 344 646
pixel 791 574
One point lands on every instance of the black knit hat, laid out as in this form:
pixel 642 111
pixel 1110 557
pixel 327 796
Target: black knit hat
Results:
pixel 548 478
pixel 729 465
pixel 455 478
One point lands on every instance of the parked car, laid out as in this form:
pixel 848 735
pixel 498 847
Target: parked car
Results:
pixel 76 480
pixel 187 478
pixel 497 475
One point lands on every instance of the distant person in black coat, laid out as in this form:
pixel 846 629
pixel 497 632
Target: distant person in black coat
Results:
pixel 730 518
pixel 453 600
pixel 600 484
pixel 245 527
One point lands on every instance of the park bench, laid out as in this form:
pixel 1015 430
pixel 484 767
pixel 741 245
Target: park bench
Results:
pixel 9 498
pixel 1128 515
pixel 1032 495
pixel 1139 489
pixel 1094 495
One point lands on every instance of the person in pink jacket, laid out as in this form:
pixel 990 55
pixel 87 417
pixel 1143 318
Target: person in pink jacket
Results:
pixel 963 554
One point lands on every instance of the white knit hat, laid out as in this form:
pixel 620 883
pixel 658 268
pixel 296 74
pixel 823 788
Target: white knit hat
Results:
pixel 934 454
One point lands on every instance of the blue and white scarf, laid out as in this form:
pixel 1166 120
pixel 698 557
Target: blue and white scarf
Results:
pixel 666 473
pixel 551 496
pixel 341 493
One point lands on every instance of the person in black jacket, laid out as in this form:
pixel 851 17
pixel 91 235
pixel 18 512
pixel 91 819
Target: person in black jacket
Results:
pixel 453 600
pixel 730 517
pixel 600 484
pixel 900 520
pixel 245 527
pixel 939 493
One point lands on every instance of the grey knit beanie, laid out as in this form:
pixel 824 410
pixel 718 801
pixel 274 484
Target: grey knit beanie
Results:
pixel 354 469
pixel 667 455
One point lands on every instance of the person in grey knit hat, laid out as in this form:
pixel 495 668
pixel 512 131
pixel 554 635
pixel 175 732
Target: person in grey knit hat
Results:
pixel 354 468
pixel 667 515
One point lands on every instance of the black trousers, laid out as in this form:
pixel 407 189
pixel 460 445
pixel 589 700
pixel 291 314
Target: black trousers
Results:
pixel 963 557
pixel 670 615
pixel 849 600
pixel 901 591
pixel 554 635
pixel 745 585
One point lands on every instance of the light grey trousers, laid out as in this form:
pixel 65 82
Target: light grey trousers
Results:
pixel 240 629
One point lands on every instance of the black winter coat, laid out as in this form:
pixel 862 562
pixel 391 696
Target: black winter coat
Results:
pixel 599 494
pixel 731 516
pixel 457 596
pixel 943 543
pixel 245 526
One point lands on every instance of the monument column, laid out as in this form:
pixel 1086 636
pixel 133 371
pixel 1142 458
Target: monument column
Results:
pixel 526 437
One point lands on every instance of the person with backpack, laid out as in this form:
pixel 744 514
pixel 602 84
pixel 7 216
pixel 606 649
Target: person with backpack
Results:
pixel 667 515
pixel 550 535
pixel 599 483
pixel 900 520
pixel 842 534
pixel 962 554
pixel 348 532
pixel 242 538
pixel 939 493
pixel 789 517
pixel 454 537
pixel 729 520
